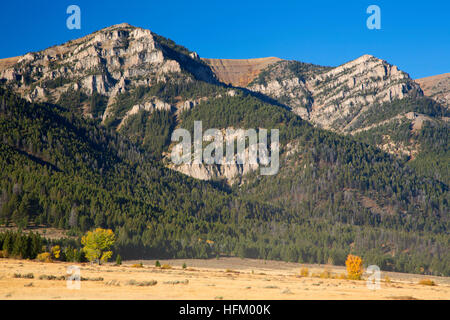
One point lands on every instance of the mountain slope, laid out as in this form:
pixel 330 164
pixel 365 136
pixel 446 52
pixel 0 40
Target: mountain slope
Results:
pixel 333 194
pixel 437 87
pixel 334 98
pixel 105 64
pixel 369 99
pixel 238 72
pixel 62 170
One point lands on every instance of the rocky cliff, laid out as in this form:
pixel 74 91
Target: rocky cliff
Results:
pixel 334 98
pixel 109 62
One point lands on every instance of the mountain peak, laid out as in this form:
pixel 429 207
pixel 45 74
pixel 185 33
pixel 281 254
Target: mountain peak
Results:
pixel 107 62
pixel 335 98
pixel 367 57
pixel 120 25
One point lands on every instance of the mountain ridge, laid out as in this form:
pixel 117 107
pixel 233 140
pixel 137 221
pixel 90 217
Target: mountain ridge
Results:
pixel 117 73
pixel 101 122
pixel 239 72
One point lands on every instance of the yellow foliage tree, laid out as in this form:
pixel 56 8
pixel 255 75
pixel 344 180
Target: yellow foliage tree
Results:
pixel 354 267
pixel 97 244
pixel 44 257
pixel 56 251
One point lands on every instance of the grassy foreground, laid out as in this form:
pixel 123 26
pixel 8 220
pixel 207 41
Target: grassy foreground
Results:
pixel 224 278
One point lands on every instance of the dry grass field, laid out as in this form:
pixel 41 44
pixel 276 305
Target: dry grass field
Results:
pixel 224 278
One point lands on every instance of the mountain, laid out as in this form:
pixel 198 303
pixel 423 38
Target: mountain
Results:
pixel 120 71
pixel 437 88
pixel 335 98
pixel 62 170
pixel 238 72
pixel 372 100
pixel 87 145
pixel 104 64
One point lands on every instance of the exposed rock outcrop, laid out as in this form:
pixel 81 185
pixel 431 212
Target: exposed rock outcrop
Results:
pixel 108 62
pixel 231 170
pixel 334 98
pixel 148 106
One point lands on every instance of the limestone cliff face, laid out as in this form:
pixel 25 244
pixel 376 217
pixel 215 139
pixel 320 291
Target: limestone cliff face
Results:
pixel 107 62
pixel 231 173
pixel 149 106
pixel 231 170
pixel 334 98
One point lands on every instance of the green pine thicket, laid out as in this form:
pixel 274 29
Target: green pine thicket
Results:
pixel 333 196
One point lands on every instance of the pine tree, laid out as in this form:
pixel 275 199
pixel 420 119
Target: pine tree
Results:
pixel 8 243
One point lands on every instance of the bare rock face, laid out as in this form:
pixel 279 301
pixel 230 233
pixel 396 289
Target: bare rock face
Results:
pixel 343 93
pixel 148 106
pixel 231 170
pixel 334 98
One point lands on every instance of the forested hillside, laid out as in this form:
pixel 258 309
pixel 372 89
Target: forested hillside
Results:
pixel 86 133
pixel 65 171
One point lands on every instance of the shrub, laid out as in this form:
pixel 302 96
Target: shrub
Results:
pixel 304 272
pixel 24 276
pixel 48 277
pixel 56 251
pixel 137 265
pixel 52 277
pixel 427 282
pixel 231 271
pixel 157 264
pixel 354 267
pixel 44 257
pixel 166 266
pixel 286 291
pixel 73 255
pixel 113 283
pixel 133 282
pixel 184 266
pixel 92 279
pixel 342 276
pixel 177 282
pixel 326 274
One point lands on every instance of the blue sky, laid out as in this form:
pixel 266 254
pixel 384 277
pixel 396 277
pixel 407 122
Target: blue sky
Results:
pixel 415 35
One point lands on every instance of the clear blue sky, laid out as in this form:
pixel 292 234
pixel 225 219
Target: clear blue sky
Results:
pixel 415 35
